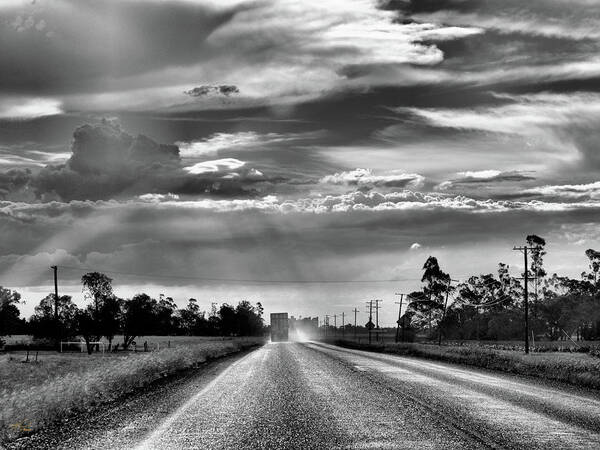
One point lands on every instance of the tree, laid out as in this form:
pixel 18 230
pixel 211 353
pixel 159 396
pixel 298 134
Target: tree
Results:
pixel 109 318
pixel 431 300
pixel 190 318
pixel 594 265
pixel 9 313
pixel 139 318
pixel 98 287
pixel 84 323
pixel 249 320
pixel 228 322
pixel 537 252
pixel 165 316
pixel 43 323
pixel 475 292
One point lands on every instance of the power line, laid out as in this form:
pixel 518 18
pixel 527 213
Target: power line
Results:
pixel 236 280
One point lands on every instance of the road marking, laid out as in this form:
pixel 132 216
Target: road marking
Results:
pixel 150 441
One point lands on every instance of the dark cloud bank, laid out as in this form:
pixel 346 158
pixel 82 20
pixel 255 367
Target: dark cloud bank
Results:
pixel 107 162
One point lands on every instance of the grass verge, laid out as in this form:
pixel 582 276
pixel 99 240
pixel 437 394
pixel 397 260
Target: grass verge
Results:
pixel 37 395
pixel 580 370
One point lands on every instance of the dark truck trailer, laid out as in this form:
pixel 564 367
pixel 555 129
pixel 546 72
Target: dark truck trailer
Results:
pixel 279 327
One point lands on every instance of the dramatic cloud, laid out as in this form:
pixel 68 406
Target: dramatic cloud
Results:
pixel 567 124
pixel 275 138
pixel 366 178
pixel 106 162
pixel 271 52
pixel 227 168
pixel 13 180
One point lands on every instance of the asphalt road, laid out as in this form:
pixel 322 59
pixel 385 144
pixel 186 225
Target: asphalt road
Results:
pixel 309 395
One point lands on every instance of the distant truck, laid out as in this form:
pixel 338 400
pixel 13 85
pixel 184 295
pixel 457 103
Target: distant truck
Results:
pixel 279 327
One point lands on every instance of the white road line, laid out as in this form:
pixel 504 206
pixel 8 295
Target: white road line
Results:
pixel 150 441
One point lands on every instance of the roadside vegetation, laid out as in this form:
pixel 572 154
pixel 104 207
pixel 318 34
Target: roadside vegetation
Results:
pixel 481 321
pixel 39 394
pixel 121 345
pixel 491 307
pixel 578 369
pixel 120 322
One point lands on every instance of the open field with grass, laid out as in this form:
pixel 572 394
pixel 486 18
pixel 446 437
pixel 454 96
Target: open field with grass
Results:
pixel 34 395
pixel 579 369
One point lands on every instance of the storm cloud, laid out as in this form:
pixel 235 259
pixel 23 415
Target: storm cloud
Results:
pixel 274 139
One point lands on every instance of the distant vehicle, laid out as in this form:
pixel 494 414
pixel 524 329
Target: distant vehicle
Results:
pixel 279 327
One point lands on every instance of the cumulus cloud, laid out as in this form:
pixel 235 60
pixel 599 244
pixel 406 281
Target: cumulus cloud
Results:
pixel 588 191
pixel 377 202
pixel 366 178
pixel 415 246
pixel 13 180
pixel 107 162
pixel 226 168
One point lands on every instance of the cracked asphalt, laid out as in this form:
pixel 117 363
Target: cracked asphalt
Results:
pixel 316 396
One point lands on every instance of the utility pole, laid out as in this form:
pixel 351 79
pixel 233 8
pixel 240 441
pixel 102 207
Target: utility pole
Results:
pixel 343 319
pixel 355 312
pixel 335 324
pixel 526 295
pixel 377 317
pixel 57 322
pixel 370 323
pixel 399 316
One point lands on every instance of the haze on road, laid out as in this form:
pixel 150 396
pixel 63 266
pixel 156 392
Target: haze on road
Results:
pixel 313 395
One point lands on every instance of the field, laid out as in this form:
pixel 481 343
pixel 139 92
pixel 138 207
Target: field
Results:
pixel 579 369
pixel 34 395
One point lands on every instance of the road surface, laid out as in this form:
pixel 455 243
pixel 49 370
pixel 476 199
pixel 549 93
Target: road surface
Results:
pixel 313 395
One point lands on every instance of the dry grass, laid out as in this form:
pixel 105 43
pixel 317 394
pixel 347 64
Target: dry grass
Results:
pixel 574 368
pixel 35 395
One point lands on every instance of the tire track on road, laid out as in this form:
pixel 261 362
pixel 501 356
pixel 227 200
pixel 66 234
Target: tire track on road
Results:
pixel 506 423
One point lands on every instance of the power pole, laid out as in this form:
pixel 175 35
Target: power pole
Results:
pixel 335 324
pixel 399 316
pixel 526 295
pixel 343 319
pixel 355 312
pixel 370 323
pixel 57 322
pixel 377 317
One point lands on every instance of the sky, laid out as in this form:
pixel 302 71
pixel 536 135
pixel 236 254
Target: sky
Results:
pixel 309 155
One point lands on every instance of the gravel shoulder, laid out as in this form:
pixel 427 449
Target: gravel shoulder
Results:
pixel 123 422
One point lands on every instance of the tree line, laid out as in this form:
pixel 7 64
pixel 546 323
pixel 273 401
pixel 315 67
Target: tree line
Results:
pixel 106 316
pixel 491 306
